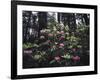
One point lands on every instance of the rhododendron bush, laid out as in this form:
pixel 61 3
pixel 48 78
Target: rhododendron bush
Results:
pixel 57 46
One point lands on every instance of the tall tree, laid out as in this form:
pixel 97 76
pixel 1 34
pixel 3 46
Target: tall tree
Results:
pixel 42 16
pixel 59 17
pixel 85 16
pixel 26 24
pixel 70 20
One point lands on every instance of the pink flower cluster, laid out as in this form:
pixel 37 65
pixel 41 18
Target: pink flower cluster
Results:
pixel 50 35
pixel 61 38
pixel 57 58
pixel 74 49
pixel 60 32
pixel 48 41
pixel 61 45
pixel 76 58
pixel 28 51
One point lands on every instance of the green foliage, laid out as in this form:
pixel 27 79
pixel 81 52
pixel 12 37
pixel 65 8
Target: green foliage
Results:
pixel 53 61
pixel 59 44
pixel 27 45
pixel 67 56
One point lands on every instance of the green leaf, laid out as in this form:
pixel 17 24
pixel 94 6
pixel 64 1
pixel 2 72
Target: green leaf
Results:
pixel 37 57
pixel 67 56
pixel 79 46
pixel 35 45
pixel 53 61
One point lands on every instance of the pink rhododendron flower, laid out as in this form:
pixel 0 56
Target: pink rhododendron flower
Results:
pixel 74 49
pixel 48 41
pixel 76 58
pixel 62 32
pixel 61 44
pixel 28 51
pixel 50 35
pixel 57 58
pixel 62 37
